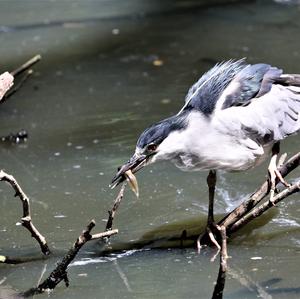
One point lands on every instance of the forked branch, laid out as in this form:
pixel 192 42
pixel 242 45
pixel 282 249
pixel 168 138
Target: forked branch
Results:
pixel 60 272
pixel 26 218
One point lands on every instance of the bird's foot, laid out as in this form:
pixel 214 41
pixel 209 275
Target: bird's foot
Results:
pixel 274 174
pixel 211 229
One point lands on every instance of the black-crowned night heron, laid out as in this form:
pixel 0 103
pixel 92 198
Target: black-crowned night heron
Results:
pixel 233 118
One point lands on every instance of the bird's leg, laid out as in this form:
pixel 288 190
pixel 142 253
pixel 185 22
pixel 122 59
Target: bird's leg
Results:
pixel 274 172
pixel 211 183
pixel 211 226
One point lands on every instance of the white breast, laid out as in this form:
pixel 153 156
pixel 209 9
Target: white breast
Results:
pixel 201 146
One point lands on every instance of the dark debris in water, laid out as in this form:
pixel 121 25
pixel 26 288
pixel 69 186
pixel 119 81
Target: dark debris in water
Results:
pixel 16 138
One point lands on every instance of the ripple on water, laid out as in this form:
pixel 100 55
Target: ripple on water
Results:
pixel 282 222
pixel 112 257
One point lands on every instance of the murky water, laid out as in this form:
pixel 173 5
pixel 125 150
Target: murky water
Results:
pixel 92 94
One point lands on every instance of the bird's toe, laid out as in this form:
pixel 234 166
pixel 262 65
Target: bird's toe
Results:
pixel 212 230
pixel 274 175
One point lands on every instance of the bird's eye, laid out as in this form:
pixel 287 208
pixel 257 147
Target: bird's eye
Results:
pixel 151 147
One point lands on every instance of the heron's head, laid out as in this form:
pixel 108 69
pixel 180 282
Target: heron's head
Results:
pixel 158 142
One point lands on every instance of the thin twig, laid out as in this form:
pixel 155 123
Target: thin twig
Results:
pixel 4 259
pixel 26 219
pixel 28 64
pixel 104 234
pixel 112 212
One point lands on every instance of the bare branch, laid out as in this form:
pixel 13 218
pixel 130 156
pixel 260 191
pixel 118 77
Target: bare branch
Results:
pixel 60 272
pixel 104 234
pixel 249 204
pixel 25 66
pixel 264 207
pixel 26 219
pixel 259 194
pixel 112 212
pixel 4 259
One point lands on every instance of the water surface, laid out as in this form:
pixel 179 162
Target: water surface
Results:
pixel 93 93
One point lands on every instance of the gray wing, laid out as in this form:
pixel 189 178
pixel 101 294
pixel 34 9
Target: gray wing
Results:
pixel 231 83
pixel 252 82
pixel 267 119
pixel 204 94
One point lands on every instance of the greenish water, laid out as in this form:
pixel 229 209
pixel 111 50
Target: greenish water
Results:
pixel 93 93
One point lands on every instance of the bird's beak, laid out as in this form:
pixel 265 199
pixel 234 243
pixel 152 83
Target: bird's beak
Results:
pixel 136 162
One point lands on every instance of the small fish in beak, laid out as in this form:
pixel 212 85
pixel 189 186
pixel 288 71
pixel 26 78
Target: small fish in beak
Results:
pixel 132 166
pixel 132 181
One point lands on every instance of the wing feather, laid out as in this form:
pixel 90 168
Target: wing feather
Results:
pixel 270 118
pixel 204 94
pixel 249 102
pixel 252 82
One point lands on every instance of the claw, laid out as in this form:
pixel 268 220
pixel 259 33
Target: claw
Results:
pixel 213 239
pixel 209 229
pixel 273 175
